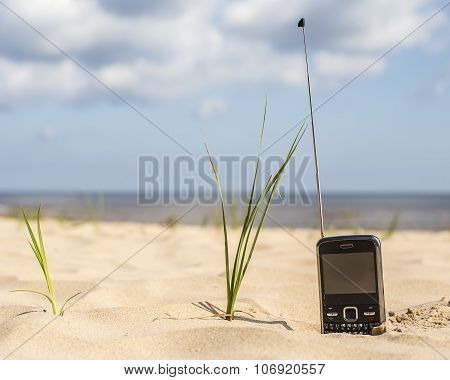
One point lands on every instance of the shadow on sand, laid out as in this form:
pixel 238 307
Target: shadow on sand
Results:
pixel 218 312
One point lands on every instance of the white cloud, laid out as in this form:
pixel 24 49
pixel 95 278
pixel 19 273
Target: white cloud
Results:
pixel 353 25
pixel 211 107
pixel 24 81
pixel 147 51
pixel 338 66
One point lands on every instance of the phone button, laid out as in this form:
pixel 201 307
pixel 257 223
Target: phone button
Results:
pixel 332 314
pixel 350 314
pixel 369 313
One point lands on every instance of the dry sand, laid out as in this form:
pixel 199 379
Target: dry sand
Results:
pixel 155 306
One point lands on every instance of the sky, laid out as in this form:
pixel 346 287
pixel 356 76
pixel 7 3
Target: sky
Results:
pixel 86 87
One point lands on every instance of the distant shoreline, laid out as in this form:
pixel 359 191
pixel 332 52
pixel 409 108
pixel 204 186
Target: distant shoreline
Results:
pixel 342 211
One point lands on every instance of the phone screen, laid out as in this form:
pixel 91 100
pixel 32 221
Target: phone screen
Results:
pixel 349 273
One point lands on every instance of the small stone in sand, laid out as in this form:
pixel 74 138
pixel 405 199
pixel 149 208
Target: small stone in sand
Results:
pixel 378 330
pixel 391 313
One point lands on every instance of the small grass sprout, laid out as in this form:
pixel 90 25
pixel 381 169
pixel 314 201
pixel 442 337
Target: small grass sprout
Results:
pixel 257 204
pixel 389 231
pixel 37 245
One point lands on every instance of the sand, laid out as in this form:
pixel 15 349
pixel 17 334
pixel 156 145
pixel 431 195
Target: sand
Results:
pixel 157 305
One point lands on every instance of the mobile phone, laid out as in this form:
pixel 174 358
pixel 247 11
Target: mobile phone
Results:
pixel 350 284
pixel 350 270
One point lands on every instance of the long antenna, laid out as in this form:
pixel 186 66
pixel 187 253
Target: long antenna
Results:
pixel 301 24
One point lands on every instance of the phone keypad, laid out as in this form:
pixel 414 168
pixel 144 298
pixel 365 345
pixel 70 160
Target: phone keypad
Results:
pixel 350 328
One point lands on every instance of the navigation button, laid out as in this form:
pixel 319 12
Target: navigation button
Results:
pixel 350 314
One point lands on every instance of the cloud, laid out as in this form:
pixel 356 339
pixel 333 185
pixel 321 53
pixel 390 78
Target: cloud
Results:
pixel 21 82
pixel 338 66
pixel 165 50
pixel 138 7
pixel 352 26
pixel 211 107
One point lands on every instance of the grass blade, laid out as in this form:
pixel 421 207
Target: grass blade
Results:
pixel 44 257
pixel 38 256
pixel 272 191
pixel 248 214
pixel 244 252
pixel 271 187
pixel 33 239
pixel 61 311
pixel 224 222
pixel 33 291
pixel 38 248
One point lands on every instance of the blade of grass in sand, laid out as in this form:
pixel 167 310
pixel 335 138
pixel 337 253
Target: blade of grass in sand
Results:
pixel 246 245
pixel 33 291
pixel 252 193
pixel 224 222
pixel 39 251
pixel 61 310
pixel 37 246
pixel 273 185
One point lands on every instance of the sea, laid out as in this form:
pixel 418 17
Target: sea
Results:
pixel 341 210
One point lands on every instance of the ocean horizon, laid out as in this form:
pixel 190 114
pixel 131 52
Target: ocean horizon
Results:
pixel 429 211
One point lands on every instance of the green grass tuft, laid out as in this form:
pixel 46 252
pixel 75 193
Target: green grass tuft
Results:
pixel 258 204
pixel 37 245
pixel 389 231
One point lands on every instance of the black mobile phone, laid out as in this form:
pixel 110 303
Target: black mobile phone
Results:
pixel 350 284
pixel 350 272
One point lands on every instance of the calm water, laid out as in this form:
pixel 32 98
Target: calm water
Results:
pixel 341 210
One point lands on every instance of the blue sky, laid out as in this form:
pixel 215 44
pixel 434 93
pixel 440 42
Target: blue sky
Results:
pixel 205 68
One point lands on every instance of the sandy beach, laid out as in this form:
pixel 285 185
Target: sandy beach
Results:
pixel 151 292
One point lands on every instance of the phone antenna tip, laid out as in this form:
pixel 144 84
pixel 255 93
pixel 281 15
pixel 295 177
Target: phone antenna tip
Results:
pixel 301 23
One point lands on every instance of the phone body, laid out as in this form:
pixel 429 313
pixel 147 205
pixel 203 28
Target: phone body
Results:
pixel 350 284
